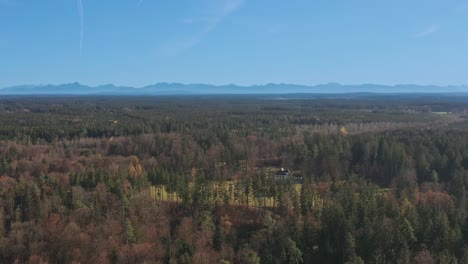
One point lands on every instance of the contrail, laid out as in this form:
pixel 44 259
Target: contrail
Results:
pixel 80 10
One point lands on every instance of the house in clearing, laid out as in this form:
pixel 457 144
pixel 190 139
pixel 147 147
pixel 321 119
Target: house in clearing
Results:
pixel 286 175
pixel 282 174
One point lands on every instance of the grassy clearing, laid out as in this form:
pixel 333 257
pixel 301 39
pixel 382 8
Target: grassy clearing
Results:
pixel 160 193
pixel 222 193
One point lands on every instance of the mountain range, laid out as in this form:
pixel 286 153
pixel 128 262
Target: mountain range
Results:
pixel 188 89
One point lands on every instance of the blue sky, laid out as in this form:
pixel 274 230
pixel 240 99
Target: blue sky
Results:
pixel 139 42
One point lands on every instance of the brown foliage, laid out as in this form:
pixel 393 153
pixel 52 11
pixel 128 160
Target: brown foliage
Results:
pixel 438 200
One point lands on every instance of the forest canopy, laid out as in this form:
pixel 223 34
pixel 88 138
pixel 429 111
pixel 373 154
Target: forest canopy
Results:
pixel 234 179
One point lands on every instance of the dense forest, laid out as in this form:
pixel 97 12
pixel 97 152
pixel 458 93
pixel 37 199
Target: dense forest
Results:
pixel 194 179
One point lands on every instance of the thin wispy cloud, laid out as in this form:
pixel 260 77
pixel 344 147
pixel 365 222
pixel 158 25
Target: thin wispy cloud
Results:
pixel 228 8
pixel 140 2
pixel 428 31
pixel 209 23
pixel 80 11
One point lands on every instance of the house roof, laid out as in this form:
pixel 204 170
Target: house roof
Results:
pixel 282 172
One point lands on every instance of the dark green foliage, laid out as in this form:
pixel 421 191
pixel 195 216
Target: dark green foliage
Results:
pixel 390 190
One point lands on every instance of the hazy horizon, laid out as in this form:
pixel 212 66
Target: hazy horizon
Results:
pixel 199 88
pixel 234 84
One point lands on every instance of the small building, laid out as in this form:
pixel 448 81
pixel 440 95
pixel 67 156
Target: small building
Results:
pixel 287 175
pixel 282 174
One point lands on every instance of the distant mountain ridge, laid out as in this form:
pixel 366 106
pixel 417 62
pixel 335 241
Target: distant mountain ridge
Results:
pixel 187 89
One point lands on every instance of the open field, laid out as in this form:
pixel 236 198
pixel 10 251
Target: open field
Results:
pixel 160 193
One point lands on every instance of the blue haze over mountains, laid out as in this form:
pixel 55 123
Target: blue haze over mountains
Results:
pixel 187 89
